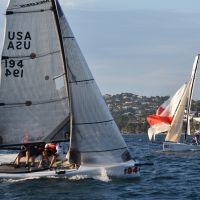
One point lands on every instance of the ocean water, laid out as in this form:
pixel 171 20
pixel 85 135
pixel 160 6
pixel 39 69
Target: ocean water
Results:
pixel 173 176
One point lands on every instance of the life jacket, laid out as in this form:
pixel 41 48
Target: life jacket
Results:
pixel 51 147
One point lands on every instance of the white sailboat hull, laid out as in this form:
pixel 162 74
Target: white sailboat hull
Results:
pixel 120 170
pixel 172 146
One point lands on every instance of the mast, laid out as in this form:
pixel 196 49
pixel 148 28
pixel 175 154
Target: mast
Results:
pixel 55 11
pixel 193 76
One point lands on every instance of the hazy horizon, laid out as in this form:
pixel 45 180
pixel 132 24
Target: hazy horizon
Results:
pixel 145 48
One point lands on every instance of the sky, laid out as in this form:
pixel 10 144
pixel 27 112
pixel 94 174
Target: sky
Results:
pixel 138 46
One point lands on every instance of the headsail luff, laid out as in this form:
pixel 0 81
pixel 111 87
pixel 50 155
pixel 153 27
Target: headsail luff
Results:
pixel 95 138
pixel 161 121
pixel 174 134
pixel 33 95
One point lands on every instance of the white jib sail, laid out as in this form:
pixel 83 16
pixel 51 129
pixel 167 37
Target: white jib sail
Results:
pixel 33 94
pixel 95 138
pixel 174 134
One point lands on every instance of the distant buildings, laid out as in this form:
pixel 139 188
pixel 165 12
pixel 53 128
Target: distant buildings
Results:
pixel 130 110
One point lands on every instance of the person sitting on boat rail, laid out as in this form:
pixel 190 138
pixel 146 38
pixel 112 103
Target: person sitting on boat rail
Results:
pixel 50 150
pixel 23 153
pixel 31 151
pixel 195 138
pixel 54 150
pixel 35 151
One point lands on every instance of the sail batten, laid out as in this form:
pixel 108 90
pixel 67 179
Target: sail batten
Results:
pixel 26 12
pixel 105 150
pixel 99 122
pixel 81 81
pixel 28 57
pixel 29 4
pixel 30 103
pixel 68 37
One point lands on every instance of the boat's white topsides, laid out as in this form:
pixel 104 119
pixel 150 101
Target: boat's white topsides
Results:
pixel 7 158
pixel 173 146
pixel 119 170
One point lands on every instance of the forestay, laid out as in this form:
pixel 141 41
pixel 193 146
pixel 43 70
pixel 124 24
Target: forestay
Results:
pixel 95 137
pixel 33 93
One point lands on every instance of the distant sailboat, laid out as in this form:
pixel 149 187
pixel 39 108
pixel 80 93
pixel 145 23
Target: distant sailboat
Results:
pixel 170 116
pixel 48 90
pixel 161 121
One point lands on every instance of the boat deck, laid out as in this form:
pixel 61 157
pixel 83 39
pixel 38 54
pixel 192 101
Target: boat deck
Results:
pixel 8 165
pixel 10 168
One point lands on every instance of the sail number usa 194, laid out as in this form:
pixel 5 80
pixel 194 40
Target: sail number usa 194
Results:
pixel 14 68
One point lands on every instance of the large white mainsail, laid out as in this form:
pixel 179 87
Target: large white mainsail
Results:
pixel 174 134
pixel 95 137
pixel 33 95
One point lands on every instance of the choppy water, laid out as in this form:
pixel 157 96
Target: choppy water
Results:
pixel 173 176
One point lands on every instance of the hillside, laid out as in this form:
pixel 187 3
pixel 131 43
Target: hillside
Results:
pixel 130 110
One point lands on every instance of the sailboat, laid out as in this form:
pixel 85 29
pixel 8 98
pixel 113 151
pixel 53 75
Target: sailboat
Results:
pixel 47 91
pixel 169 117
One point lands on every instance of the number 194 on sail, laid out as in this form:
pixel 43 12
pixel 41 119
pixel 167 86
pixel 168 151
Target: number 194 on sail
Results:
pixel 14 68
